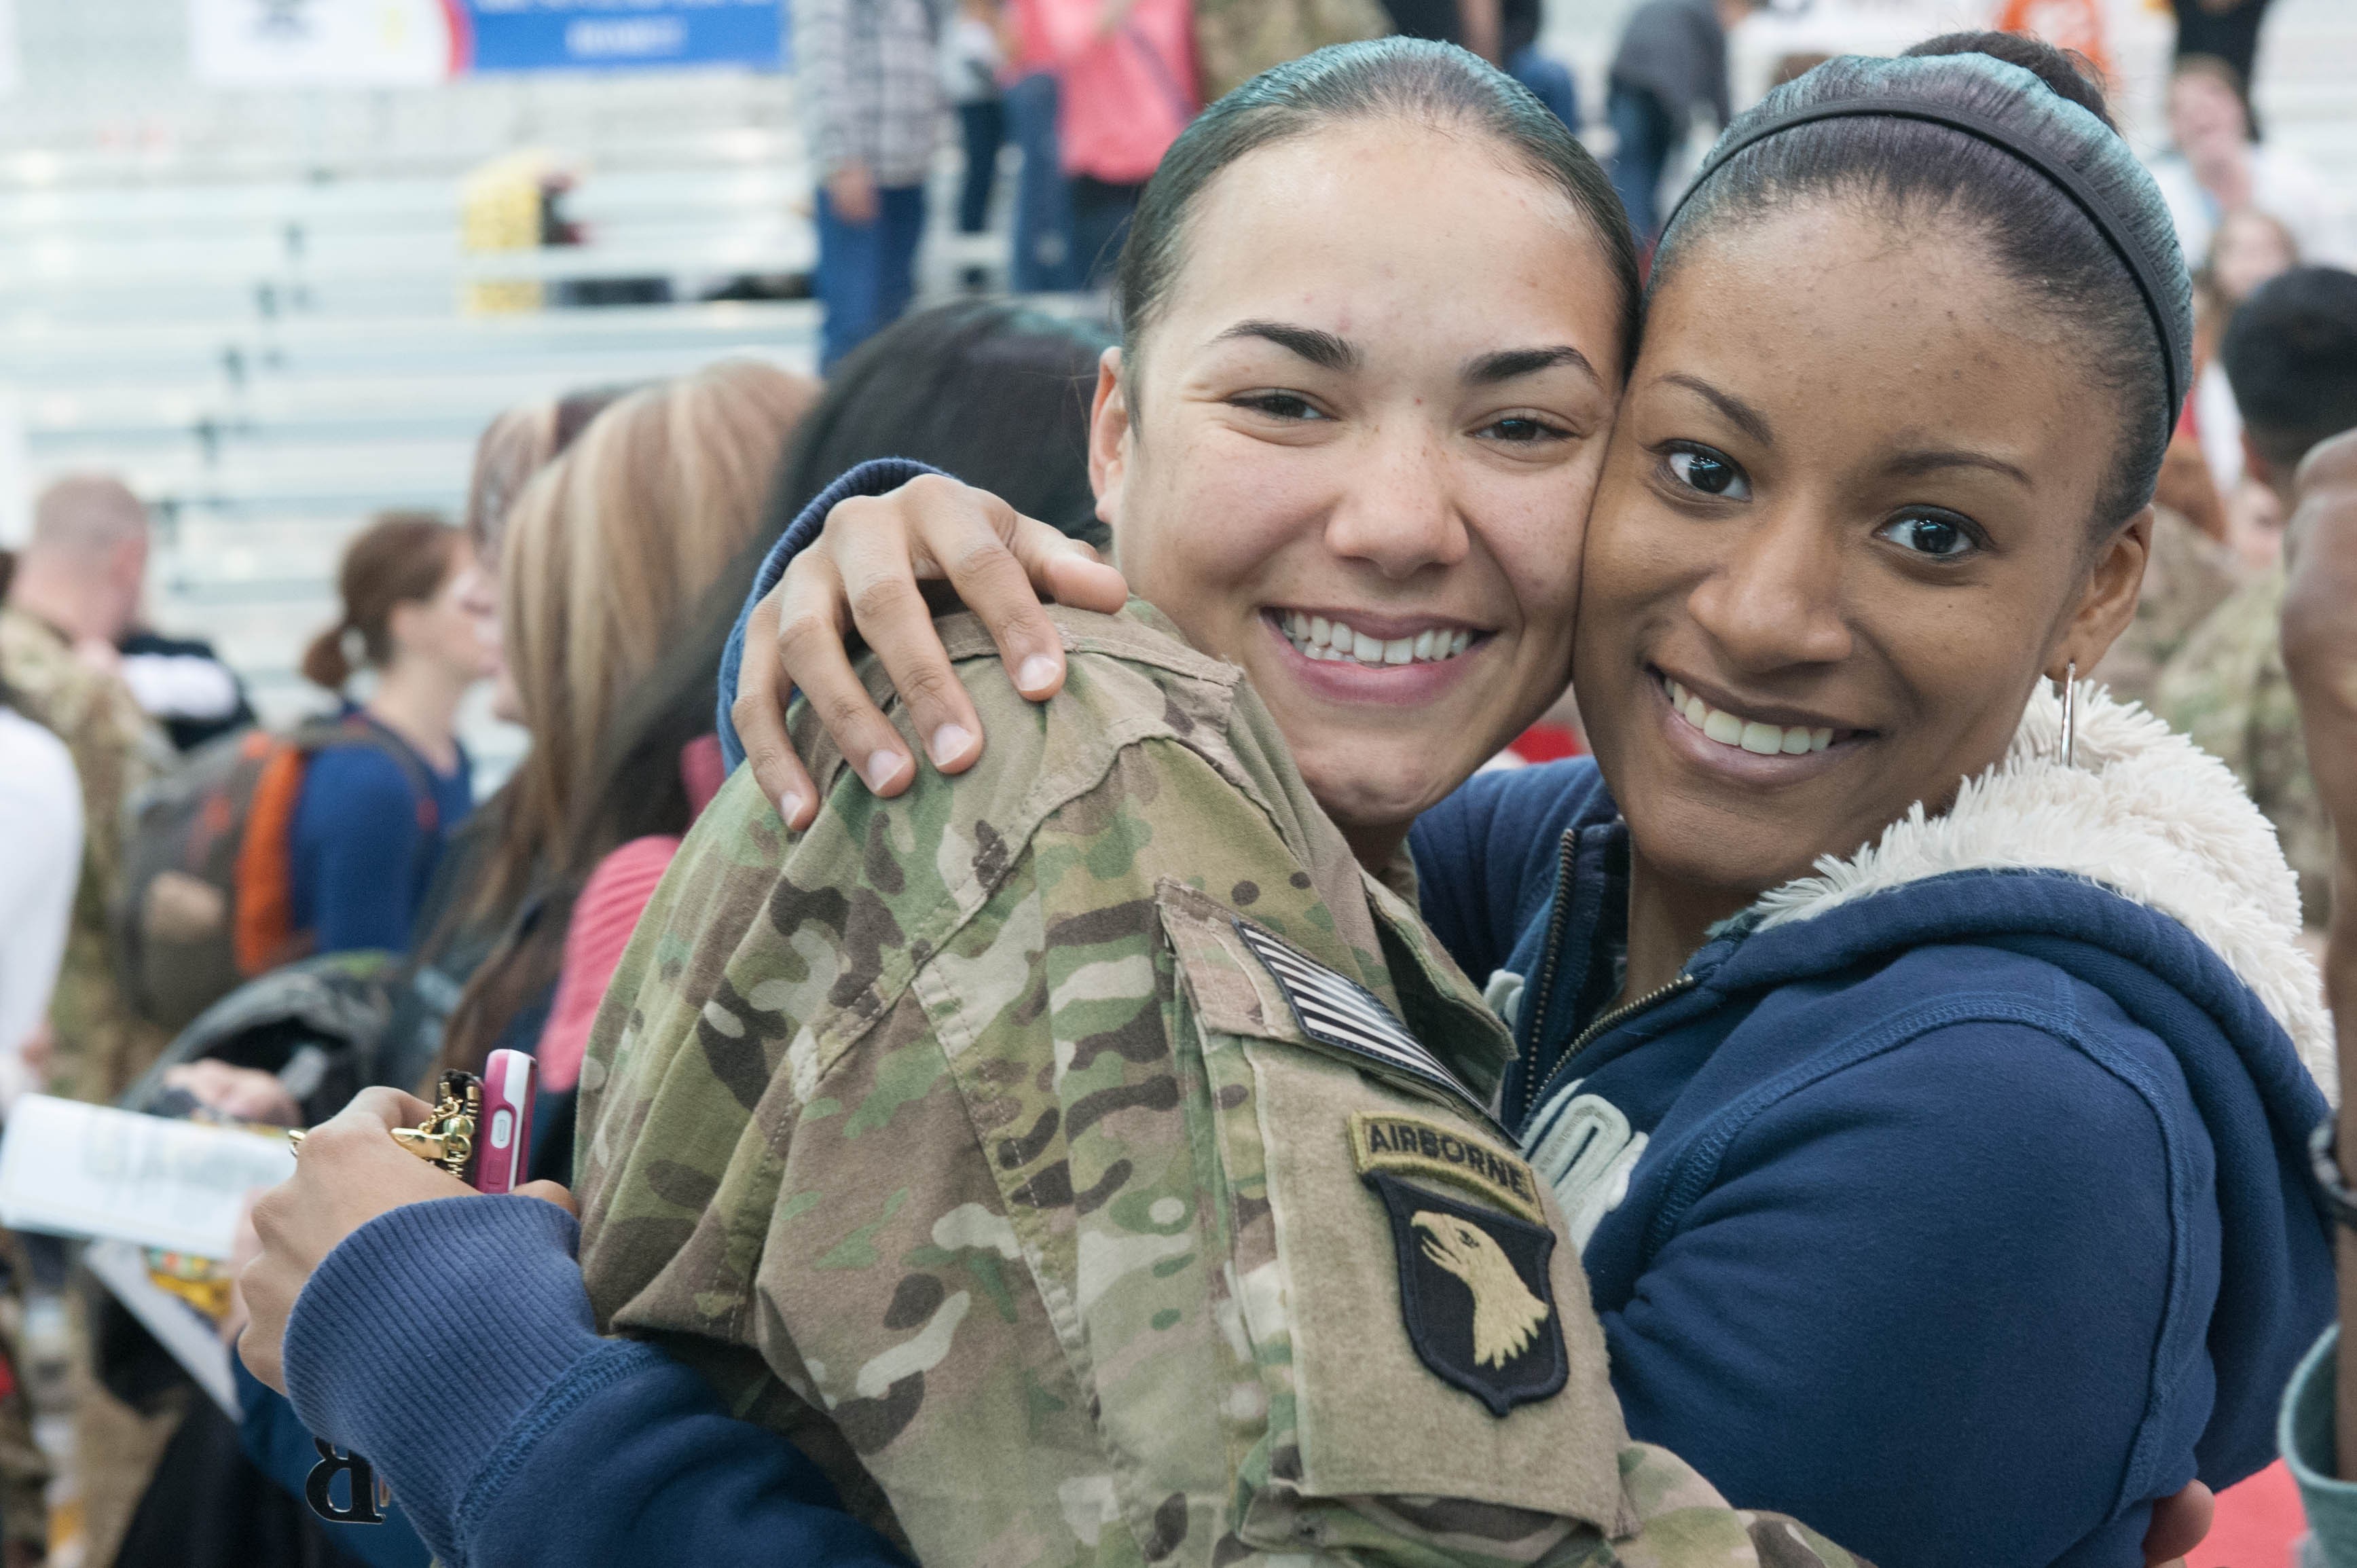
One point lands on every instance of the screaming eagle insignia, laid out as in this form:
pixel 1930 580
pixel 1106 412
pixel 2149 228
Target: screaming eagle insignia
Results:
pixel 1505 1314
pixel 1475 1292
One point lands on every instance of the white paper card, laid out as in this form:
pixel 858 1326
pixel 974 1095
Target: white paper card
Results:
pixel 72 1169
pixel 180 1328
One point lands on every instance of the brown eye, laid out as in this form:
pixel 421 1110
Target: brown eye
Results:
pixel 1279 405
pixel 1712 473
pixel 1940 538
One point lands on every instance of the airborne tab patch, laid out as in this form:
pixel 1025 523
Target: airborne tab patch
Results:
pixel 1475 1296
pixel 1337 1011
pixel 1410 1145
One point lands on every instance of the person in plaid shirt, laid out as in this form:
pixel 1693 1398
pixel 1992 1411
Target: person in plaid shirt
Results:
pixel 871 108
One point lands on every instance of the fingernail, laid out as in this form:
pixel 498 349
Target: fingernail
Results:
pixel 883 767
pixel 1037 673
pixel 790 806
pixel 948 743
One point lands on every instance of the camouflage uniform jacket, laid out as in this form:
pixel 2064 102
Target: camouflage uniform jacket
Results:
pixel 970 1139
pixel 2187 576
pixel 102 1045
pixel 2226 688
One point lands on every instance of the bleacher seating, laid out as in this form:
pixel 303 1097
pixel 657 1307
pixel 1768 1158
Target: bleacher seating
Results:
pixel 266 337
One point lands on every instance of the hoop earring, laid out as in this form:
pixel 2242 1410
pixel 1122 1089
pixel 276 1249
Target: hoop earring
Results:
pixel 2069 714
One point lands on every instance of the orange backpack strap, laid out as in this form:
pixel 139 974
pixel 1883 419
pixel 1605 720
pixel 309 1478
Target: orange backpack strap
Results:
pixel 265 900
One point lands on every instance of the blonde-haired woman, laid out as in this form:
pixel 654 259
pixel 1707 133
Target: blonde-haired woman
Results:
pixel 619 568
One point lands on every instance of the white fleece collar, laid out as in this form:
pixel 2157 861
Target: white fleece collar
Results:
pixel 2146 814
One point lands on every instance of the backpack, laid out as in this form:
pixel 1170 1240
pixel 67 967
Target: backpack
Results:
pixel 1237 39
pixel 320 1024
pixel 207 896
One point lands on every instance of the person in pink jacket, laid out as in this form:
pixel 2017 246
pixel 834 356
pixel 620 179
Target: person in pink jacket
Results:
pixel 1126 79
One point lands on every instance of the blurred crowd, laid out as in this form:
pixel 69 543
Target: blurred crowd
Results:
pixel 186 891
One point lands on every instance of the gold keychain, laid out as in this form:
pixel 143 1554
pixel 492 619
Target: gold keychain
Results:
pixel 446 1136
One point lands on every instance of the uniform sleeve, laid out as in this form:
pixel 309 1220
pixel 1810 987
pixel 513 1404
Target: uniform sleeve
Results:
pixel 111 742
pixel 2005 1382
pixel 359 822
pixel 870 479
pixel 544 1446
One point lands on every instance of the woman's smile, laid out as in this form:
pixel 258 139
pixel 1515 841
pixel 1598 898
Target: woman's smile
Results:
pixel 1365 656
pixel 1758 743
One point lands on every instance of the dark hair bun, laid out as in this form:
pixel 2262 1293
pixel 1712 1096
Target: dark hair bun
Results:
pixel 2067 73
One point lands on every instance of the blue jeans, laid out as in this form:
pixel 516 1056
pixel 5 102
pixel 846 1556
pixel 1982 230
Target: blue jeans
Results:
pixel 1042 262
pixel 1648 135
pixel 1101 214
pixel 981 127
pixel 1550 79
pixel 867 272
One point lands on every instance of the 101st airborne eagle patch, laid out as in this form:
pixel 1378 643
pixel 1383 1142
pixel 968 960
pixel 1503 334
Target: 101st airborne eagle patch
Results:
pixel 1475 1290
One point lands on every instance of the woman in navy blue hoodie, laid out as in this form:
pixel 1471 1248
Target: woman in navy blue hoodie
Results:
pixel 1926 1087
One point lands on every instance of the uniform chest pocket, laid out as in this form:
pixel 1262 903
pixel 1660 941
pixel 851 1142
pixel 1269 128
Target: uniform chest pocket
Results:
pixel 1420 1338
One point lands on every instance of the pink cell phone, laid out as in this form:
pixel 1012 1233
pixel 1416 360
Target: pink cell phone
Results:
pixel 503 1135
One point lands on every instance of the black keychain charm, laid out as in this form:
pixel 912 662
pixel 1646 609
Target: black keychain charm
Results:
pixel 369 1495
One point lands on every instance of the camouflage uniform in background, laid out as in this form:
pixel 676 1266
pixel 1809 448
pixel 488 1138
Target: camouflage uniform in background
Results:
pixel 102 1045
pixel 1235 40
pixel 1027 1151
pixel 2226 688
pixel 2187 576
pixel 99 1046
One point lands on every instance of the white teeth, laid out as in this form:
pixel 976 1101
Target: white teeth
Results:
pixel 1319 638
pixel 1750 735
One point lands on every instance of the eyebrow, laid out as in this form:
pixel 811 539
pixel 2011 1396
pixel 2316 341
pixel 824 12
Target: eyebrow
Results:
pixel 1506 364
pixel 1318 348
pixel 1739 413
pixel 1931 460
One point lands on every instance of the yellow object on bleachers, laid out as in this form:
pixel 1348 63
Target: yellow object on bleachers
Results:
pixel 499 210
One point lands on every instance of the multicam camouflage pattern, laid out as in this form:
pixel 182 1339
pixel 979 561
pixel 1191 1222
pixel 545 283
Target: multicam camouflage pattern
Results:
pixel 2187 576
pixel 963 1139
pixel 2227 688
pixel 101 1043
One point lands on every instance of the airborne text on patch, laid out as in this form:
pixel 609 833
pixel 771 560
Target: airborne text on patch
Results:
pixel 1384 1141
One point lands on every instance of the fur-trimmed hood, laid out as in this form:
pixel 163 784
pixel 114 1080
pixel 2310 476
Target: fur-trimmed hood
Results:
pixel 2142 811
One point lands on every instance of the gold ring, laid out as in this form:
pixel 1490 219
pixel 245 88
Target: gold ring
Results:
pixel 295 1139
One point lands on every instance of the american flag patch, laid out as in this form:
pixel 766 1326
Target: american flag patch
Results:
pixel 1338 1012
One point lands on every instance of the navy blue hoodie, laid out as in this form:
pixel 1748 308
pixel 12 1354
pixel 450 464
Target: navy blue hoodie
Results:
pixel 1954 1200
